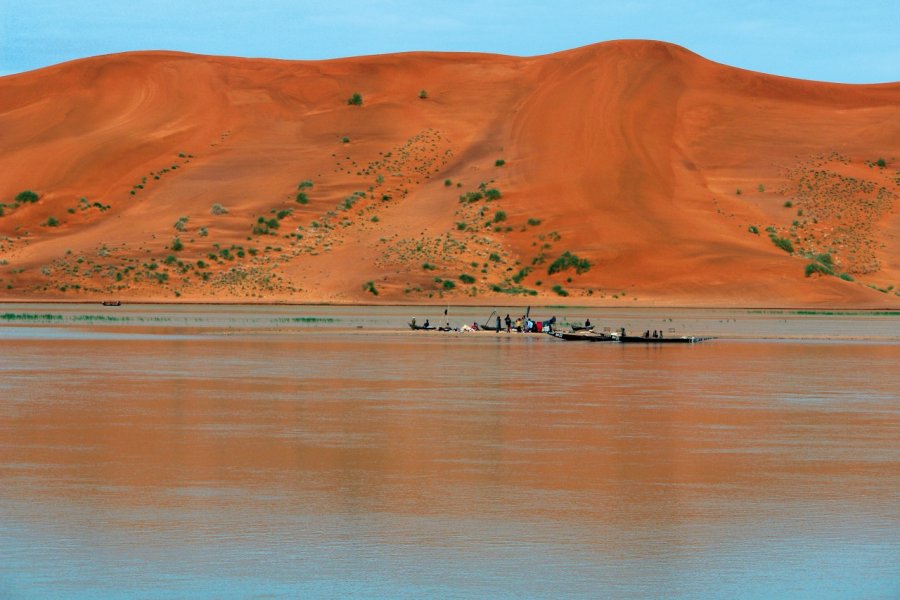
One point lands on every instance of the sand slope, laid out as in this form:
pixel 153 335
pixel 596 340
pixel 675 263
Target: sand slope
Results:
pixel 665 175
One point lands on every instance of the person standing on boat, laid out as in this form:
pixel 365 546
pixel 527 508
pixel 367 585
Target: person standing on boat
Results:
pixel 498 323
pixel 508 322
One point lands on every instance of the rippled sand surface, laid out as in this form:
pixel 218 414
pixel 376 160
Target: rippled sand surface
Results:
pixel 230 453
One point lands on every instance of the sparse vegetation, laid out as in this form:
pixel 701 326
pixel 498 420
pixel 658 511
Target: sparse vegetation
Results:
pixel 499 216
pixel 369 286
pixel 217 209
pixel 177 244
pixel 302 198
pixel 492 194
pixel 499 162
pixel 181 224
pixel 355 100
pixel 466 278
pixel 534 222
pixel 560 291
pixel 568 261
pixel 26 197
pixel 423 95
pixel 783 243
pixel 753 229
pixel 51 222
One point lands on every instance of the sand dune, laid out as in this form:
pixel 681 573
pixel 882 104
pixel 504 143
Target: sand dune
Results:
pixel 662 177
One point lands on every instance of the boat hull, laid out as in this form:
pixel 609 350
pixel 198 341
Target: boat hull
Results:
pixel 633 339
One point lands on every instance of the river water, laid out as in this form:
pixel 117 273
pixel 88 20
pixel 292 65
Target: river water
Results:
pixel 324 452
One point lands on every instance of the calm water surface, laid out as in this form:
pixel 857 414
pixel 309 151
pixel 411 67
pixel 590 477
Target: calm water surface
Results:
pixel 231 453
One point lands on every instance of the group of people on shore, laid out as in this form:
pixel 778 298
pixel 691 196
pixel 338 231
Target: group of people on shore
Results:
pixel 522 324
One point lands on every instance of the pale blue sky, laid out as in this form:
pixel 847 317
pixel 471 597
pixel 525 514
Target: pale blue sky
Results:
pixel 832 40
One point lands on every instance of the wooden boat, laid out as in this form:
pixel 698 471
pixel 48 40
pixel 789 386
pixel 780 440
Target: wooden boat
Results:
pixel 639 339
pixel 587 336
pixel 112 303
pixel 582 327
pixel 415 327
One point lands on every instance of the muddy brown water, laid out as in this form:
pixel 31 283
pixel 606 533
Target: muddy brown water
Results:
pixel 237 452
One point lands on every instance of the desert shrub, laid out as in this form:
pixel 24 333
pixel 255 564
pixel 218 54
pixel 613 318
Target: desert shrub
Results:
pixel 471 197
pixel 788 204
pixel 448 284
pixel 783 243
pixel 881 163
pixel 499 216
pixel 738 191
pixel 560 291
pixel 217 209
pixel 177 244
pixel 761 188
pixel 283 213
pixel 428 266
pixel 499 162
pixel 461 225
pixel 369 286
pixel 493 194
pixel 466 278
pixel 203 232
pixel 306 183
pixel 534 222
pixel 447 183
pixel 753 229
pixel 345 140
pixel 181 224
pixel 26 196
pixel 568 261
pixel 423 94
pixel 522 274
pixel 845 277
pixel 815 267
pixel 302 198
pixel 494 257
pixel 51 222
pixel 170 259
pixel 355 100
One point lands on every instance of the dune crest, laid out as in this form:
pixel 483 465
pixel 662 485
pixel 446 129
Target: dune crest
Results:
pixel 624 173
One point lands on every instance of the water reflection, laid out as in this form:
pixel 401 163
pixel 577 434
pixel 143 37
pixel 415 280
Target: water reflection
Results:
pixel 339 464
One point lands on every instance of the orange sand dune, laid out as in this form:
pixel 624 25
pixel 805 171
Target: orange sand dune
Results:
pixel 460 178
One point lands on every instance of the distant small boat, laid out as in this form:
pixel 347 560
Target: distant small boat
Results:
pixel 582 327
pixel 415 327
pixel 586 336
pixel 639 339
pixel 112 303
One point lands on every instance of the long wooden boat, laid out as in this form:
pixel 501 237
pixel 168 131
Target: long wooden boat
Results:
pixel 636 339
pixel 583 337
pixel 582 327
pixel 112 303
pixel 420 327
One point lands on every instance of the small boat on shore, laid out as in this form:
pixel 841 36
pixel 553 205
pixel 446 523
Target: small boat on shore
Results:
pixel 584 336
pixel 582 327
pixel 112 303
pixel 415 327
pixel 637 339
